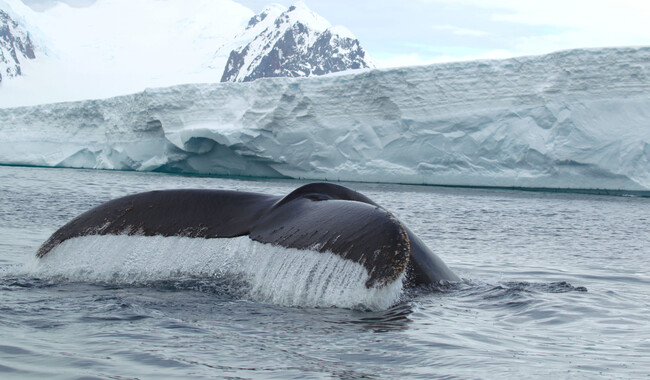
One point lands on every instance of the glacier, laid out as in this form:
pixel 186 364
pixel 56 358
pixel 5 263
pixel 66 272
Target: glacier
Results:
pixel 119 47
pixel 577 119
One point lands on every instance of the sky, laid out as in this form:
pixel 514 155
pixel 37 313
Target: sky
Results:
pixel 411 32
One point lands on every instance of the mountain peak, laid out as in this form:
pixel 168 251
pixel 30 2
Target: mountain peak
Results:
pixel 299 12
pixel 81 52
pixel 297 42
pixel 270 12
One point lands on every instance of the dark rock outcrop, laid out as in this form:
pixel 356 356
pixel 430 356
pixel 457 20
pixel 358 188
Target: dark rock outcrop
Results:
pixel 15 46
pixel 291 47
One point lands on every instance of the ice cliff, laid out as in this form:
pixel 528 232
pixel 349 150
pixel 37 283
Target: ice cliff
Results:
pixel 572 119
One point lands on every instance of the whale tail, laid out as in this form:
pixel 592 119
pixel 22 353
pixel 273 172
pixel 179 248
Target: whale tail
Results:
pixel 321 217
pixel 332 218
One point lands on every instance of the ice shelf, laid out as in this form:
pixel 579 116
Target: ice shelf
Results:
pixel 576 119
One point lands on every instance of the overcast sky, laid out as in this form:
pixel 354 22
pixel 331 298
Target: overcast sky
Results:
pixel 407 32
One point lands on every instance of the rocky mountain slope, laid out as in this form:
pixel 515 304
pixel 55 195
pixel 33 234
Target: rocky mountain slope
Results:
pixel 117 47
pixel 294 42
pixel 16 46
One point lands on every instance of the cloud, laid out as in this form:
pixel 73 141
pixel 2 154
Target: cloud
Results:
pixel 428 31
pixel 416 59
pixel 566 24
pixel 460 31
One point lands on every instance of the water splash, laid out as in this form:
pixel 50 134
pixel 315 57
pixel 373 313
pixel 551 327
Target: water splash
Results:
pixel 273 274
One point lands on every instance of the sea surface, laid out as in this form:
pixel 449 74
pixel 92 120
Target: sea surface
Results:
pixel 554 285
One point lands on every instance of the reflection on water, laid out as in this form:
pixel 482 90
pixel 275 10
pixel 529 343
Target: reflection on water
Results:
pixel 394 319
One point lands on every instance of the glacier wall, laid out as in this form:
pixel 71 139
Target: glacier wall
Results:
pixel 573 119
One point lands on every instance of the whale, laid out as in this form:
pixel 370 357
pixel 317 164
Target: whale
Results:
pixel 322 217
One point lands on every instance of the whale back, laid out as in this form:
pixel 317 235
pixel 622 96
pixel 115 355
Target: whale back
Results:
pixel 321 191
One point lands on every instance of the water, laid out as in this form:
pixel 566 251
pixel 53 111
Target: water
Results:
pixel 553 285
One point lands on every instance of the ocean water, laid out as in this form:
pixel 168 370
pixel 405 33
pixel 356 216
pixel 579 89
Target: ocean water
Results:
pixel 553 285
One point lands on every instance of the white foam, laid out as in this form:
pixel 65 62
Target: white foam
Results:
pixel 277 275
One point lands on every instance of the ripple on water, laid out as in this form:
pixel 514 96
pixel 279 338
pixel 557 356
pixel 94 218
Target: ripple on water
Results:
pixel 557 286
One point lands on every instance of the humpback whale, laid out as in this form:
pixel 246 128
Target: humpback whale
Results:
pixel 321 217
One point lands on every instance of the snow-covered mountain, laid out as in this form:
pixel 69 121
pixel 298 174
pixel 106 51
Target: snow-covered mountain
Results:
pixel 293 42
pixel 572 119
pixel 16 46
pixel 122 46
pixel 116 47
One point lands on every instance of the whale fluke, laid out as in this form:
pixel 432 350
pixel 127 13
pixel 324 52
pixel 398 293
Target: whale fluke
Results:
pixel 321 217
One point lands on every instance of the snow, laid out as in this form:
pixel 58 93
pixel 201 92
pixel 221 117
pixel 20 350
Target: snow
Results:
pixel 268 15
pixel 342 31
pixel 118 47
pixel 121 46
pixel 266 37
pixel 16 10
pixel 299 12
pixel 16 45
pixel 573 119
